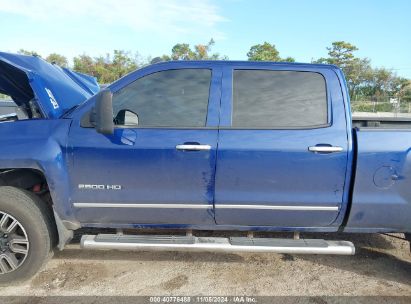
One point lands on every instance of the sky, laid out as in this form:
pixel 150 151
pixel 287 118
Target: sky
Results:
pixel 301 29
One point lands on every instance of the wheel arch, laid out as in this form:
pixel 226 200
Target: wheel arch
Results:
pixel 29 179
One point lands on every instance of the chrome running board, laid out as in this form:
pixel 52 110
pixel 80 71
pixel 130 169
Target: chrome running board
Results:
pixel 215 244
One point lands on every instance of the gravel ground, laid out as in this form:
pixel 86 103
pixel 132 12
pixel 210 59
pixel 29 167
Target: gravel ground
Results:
pixel 382 266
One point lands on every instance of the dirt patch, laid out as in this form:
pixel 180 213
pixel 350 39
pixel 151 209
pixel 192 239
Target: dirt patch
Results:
pixel 381 267
pixel 287 257
pixel 175 283
pixel 70 276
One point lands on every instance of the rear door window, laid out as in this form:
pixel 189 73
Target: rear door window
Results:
pixel 279 99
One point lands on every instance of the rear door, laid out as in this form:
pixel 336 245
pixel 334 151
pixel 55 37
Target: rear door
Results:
pixel 282 155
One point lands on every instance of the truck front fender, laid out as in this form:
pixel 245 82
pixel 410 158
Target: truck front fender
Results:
pixel 41 145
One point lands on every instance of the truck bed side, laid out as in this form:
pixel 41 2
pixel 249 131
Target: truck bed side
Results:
pixel 381 199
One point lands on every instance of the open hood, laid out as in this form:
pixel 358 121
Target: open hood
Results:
pixel 54 89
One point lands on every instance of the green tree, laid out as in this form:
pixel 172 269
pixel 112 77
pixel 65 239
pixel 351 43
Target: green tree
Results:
pixel 357 71
pixel 103 70
pixel 382 81
pixel 29 53
pixel 107 68
pixel 405 92
pixel 266 52
pixel 363 80
pixel 203 52
pixel 183 51
pixel 341 53
pixel 386 82
pixel 57 59
pixel 84 64
pixel 123 63
pixel 288 59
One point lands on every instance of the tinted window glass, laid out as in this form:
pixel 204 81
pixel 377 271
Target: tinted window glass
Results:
pixel 172 98
pixel 278 99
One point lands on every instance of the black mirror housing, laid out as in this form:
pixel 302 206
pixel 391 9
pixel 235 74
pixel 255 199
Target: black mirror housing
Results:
pixel 103 112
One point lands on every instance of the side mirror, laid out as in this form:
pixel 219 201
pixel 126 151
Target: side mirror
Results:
pixel 102 114
pixel 126 118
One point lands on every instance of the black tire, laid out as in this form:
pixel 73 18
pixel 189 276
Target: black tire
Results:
pixel 37 220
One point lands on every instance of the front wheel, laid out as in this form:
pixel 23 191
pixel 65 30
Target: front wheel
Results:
pixel 26 234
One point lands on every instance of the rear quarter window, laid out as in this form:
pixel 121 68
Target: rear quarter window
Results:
pixel 279 99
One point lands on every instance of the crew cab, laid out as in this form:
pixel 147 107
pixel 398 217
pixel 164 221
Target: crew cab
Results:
pixel 183 147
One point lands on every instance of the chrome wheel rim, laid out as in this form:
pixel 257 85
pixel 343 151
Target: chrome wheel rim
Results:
pixel 14 243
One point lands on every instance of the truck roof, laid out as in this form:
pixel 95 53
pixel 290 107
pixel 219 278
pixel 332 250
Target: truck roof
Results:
pixel 246 63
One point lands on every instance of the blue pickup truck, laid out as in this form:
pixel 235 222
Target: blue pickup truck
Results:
pixel 184 147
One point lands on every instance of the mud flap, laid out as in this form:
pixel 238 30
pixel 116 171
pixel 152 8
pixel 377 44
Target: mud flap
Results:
pixel 65 235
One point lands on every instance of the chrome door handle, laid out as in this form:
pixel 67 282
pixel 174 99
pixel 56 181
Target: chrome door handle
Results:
pixel 325 149
pixel 193 147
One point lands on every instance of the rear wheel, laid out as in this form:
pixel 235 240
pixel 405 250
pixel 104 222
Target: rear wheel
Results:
pixel 26 234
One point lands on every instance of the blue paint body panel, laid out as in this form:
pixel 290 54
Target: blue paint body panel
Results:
pixel 382 192
pixel 41 145
pixel 149 169
pixel 275 168
pixel 145 162
pixel 55 89
pixel 254 167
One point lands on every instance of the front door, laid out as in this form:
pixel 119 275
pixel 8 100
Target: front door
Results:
pixel 160 171
pixel 282 155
